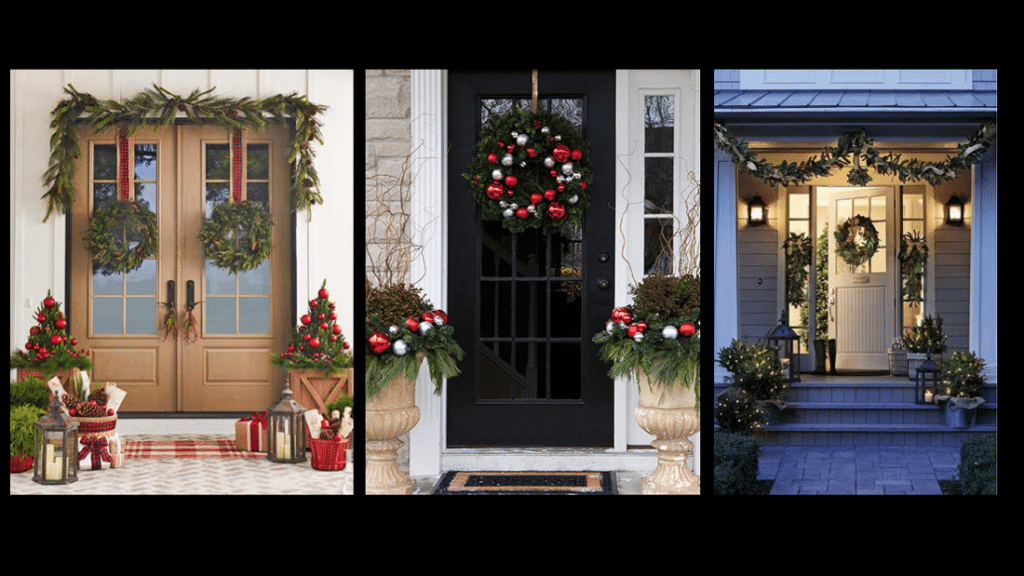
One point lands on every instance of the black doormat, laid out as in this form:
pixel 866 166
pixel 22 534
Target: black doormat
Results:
pixel 457 482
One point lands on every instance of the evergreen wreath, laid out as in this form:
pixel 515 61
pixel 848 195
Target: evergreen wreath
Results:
pixel 157 106
pixel 122 233
pixel 531 170
pixel 238 236
pixel 852 252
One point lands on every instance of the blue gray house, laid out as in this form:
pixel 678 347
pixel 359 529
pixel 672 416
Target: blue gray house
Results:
pixel 809 153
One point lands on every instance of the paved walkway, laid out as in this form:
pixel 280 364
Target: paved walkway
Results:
pixel 858 469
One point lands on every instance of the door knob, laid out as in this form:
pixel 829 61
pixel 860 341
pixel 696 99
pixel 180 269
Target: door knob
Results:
pixel 603 257
pixel 603 283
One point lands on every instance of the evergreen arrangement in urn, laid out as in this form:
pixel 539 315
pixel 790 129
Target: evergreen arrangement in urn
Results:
pixel 658 334
pixel 401 327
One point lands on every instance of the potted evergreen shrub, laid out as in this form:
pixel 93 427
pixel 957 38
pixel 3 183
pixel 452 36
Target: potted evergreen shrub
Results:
pixel 757 370
pixel 402 330
pixel 317 360
pixel 920 340
pixel 657 340
pixel 960 389
pixel 23 418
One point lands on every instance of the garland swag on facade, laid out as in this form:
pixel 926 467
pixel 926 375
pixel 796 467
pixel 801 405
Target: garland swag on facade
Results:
pixel 861 148
pixel 157 106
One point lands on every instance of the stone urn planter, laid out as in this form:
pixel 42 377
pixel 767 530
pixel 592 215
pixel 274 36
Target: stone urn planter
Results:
pixel 389 415
pixel 671 416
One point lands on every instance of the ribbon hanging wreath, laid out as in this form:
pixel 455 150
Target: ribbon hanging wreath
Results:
pixel 238 236
pixel 852 251
pixel 531 169
pixel 122 233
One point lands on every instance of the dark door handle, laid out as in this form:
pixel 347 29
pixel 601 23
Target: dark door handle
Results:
pixel 170 294
pixel 603 283
pixel 190 294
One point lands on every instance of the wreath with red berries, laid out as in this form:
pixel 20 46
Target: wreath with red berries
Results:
pixel 531 169
pixel 122 234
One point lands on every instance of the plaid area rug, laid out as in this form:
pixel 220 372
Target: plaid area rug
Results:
pixel 193 446
pixel 507 483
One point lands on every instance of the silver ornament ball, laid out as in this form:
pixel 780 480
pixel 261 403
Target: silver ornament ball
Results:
pixel 669 332
pixel 400 347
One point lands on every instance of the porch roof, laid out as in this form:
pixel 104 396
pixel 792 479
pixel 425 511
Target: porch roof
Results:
pixel 831 101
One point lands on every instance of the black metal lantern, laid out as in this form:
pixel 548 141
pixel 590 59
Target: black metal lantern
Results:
pixel 785 340
pixel 955 211
pixel 56 447
pixel 927 381
pixel 286 433
pixel 756 212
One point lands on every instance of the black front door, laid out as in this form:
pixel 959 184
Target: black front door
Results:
pixel 526 305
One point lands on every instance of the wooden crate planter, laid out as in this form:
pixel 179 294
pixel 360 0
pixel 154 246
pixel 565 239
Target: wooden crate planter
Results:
pixel 314 391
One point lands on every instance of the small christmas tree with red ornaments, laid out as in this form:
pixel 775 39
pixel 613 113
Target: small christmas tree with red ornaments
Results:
pixel 317 342
pixel 50 346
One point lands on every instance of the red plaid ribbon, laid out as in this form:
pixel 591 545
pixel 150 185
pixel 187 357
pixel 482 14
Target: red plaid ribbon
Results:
pixel 236 166
pixel 97 446
pixel 122 158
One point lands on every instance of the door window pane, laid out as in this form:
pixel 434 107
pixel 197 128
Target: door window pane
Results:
pixel 254 315
pixel 107 315
pixel 220 315
pixel 659 123
pixel 140 315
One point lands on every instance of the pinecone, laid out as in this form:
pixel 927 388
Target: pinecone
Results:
pixel 331 431
pixel 99 395
pixel 91 410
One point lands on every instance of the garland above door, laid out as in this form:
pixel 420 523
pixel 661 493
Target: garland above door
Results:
pixel 157 106
pixel 860 147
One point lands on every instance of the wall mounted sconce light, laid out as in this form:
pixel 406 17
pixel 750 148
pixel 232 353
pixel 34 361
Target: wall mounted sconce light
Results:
pixel 756 211
pixel 955 211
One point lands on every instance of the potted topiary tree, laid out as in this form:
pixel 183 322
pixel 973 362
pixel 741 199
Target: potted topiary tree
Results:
pixel 317 359
pixel 402 330
pixel 960 384
pixel 920 340
pixel 50 350
pixel 657 340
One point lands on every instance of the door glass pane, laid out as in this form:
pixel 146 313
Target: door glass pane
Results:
pixel 658 246
pixel 254 315
pixel 125 302
pixel 140 315
pixel 220 315
pixel 658 185
pixel 218 162
pixel 255 281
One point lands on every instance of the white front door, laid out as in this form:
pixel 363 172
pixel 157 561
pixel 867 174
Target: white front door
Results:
pixel 862 298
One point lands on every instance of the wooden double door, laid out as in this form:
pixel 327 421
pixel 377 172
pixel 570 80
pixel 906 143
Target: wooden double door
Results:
pixel 181 173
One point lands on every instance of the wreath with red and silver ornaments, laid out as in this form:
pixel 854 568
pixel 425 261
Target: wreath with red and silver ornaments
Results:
pixel 531 169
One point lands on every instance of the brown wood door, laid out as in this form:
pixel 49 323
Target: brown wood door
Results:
pixel 182 172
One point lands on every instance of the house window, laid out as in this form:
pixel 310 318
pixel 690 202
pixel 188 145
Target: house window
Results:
pixel 913 224
pixel 800 223
pixel 661 212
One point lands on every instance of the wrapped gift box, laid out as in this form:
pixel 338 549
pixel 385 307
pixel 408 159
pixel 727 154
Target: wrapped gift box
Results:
pixel 99 452
pixel 251 433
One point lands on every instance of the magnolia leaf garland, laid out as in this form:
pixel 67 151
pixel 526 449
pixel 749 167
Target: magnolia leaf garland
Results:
pixel 121 235
pixel 861 148
pixel 531 170
pixel 853 251
pixel 238 236
pixel 798 259
pixel 158 106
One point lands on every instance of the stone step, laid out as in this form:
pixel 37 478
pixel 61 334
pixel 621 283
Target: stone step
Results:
pixel 867 411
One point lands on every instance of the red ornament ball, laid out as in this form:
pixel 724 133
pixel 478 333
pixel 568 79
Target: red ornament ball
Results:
pixel 323 294
pixel 577 155
pixel 49 302
pixel 511 181
pixel 379 342
pixel 536 198
pixel 337 329
pixel 549 195
pixel 314 342
pixel 412 324
pixel 56 339
pixel 306 319
pixel 687 329
pixel 561 153
pixel 440 318
pixel 492 158
pixel 556 211
pixel 522 213
pixel 495 190
pixel 61 323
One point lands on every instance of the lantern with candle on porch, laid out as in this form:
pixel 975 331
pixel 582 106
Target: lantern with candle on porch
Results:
pixel 56 447
pixel 286 436
pixel 785 340
pixel 927 381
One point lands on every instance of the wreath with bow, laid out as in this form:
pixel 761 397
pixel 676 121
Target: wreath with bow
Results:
pixel 531 169
pixel 122 233
pixel 238 236
pixel 852 251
